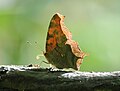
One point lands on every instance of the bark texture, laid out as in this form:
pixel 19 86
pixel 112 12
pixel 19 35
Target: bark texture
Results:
pixel 14 78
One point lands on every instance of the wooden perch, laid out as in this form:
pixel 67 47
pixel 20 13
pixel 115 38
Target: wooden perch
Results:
pixel 14 78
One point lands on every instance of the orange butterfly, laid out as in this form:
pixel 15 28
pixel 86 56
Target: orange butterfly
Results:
pixel 61 50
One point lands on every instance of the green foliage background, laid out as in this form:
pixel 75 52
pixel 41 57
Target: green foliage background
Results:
pixel 95 25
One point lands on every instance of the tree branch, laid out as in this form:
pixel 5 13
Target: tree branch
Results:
pixel 35 78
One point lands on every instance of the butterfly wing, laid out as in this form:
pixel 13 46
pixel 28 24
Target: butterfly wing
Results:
pixel 56 35
pixel 61 50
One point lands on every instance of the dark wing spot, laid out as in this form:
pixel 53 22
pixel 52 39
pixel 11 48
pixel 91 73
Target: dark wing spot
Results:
pixel 50 36
pixel 55 32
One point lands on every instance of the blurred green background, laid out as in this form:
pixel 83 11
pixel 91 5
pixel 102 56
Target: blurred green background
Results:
pixel 95 25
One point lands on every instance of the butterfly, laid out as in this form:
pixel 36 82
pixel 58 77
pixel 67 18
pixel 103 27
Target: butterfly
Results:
pixel 61 50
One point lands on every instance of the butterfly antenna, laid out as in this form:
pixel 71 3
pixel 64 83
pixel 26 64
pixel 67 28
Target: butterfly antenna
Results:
pixel 38 46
